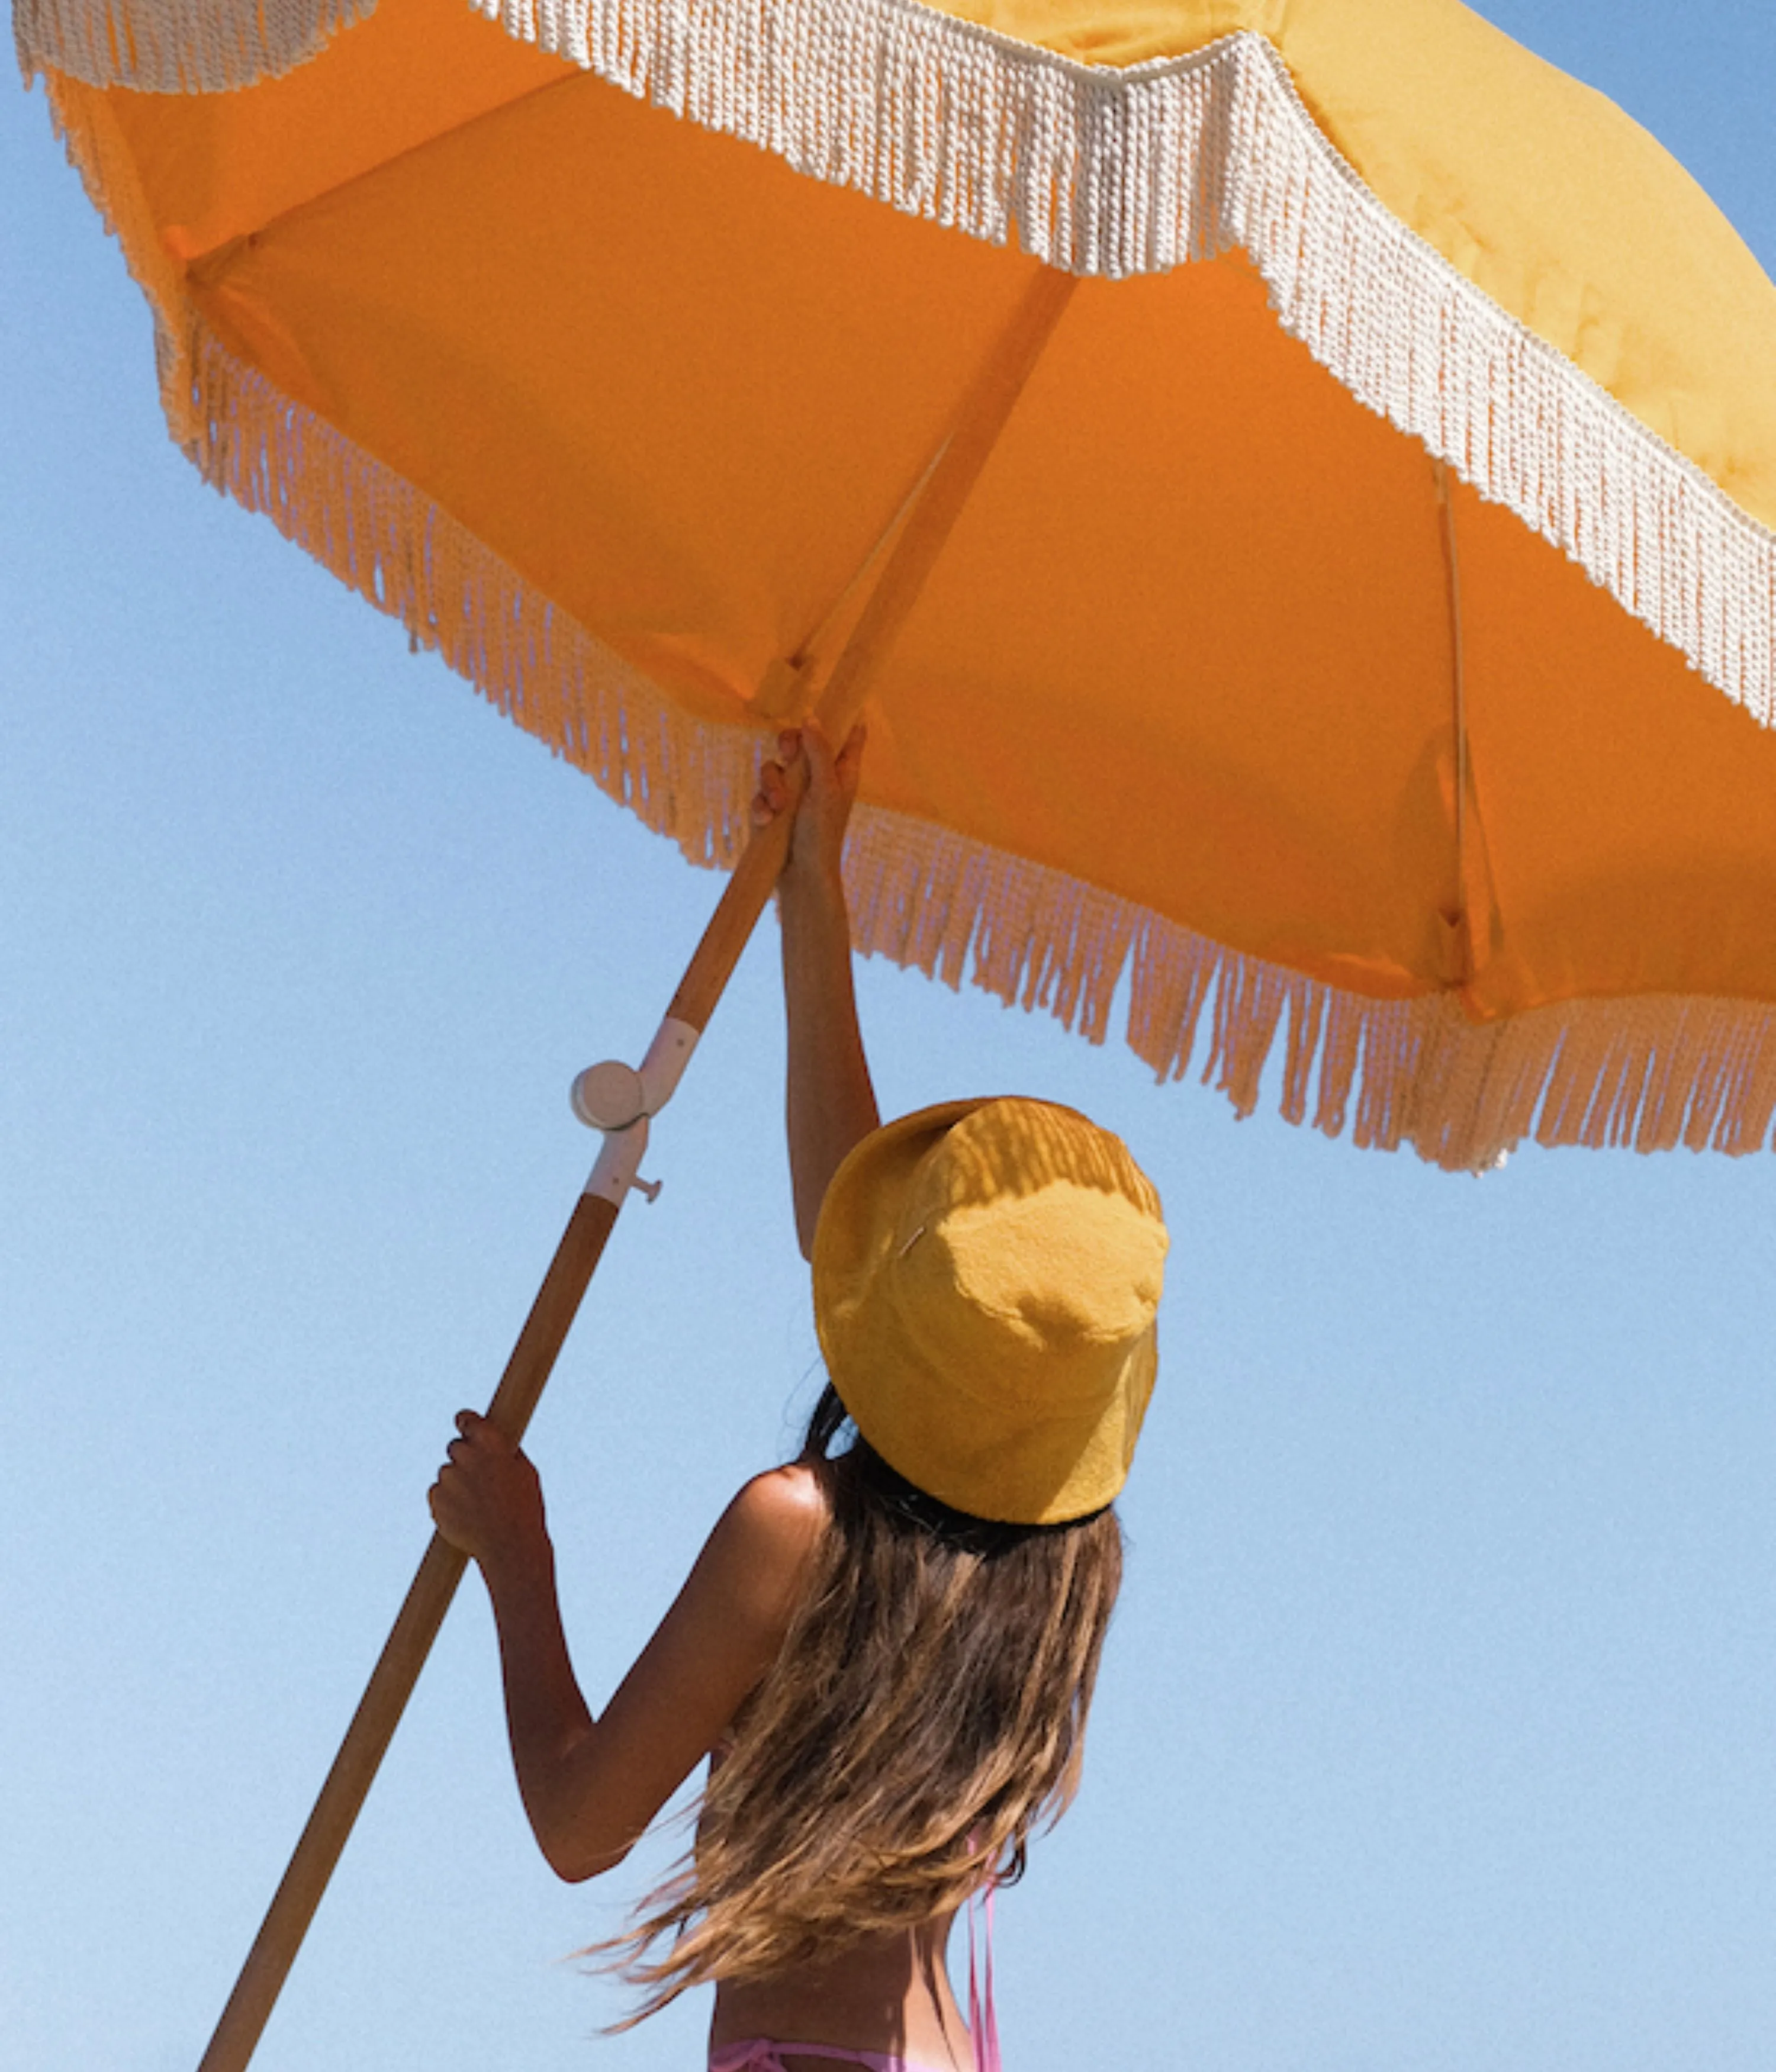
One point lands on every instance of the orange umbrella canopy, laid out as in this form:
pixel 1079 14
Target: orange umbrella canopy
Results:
pixel 1361 642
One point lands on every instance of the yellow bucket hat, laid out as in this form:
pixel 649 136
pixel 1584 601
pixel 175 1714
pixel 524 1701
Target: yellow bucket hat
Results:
pixel 986 1277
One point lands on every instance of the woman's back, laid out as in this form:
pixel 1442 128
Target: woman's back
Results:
pixel 923 1715
pixel 889 1997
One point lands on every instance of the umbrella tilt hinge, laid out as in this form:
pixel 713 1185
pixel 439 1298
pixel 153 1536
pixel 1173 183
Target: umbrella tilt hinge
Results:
pixel 619 1100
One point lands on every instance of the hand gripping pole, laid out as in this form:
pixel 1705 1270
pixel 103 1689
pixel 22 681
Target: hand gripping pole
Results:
pixel 989 402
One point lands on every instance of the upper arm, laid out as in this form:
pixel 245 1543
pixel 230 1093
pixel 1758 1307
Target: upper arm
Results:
pixel 724 1631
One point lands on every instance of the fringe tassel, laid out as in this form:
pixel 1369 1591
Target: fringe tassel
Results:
pixel 1112 174
pixel 1649 1072
pixel 403 554
pixel 394 548
pixel 1108 172
pixel 177 46
pixel 1099 171
pixel 953 909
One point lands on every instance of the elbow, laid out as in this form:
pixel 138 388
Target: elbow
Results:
pixel 578 1866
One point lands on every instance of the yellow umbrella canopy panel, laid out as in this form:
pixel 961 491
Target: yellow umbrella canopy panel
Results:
pixel 1364 623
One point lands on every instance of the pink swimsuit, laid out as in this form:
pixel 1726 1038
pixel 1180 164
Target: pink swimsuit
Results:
pixel 765 2054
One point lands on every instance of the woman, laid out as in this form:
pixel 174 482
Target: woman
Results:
pixel 886 1649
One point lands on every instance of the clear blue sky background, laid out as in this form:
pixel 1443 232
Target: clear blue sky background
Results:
pixel 1437 1730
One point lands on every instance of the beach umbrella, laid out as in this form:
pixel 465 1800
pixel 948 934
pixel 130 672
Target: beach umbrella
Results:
pixel 1293 484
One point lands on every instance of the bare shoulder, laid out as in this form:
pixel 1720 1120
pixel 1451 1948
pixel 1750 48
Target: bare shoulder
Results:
pixel 754 1565
pixel 780 1513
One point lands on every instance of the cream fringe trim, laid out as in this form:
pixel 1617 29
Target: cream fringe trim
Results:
pixel 1101 171
pixel 1109 172
pixel 1651 1072
pixel 404 554
pixel 176 45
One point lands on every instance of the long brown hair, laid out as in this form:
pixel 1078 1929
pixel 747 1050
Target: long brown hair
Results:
pixel 925 1715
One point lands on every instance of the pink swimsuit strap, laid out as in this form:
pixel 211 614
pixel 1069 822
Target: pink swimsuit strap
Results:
pixel 766 2053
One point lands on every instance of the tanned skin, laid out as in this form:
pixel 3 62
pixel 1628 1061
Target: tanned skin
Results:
pixel 592 1785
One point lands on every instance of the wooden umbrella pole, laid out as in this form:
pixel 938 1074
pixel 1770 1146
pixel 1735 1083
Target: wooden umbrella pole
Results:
pixel 403 1656
pixel 984 410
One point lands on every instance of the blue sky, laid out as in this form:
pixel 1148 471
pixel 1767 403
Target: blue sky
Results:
pixel 1435 1735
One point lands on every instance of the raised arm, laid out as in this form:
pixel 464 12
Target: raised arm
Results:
pixel 830 1102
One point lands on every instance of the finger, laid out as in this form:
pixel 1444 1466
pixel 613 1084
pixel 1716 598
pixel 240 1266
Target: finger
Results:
pixel 481 1431
pixel 772 795
pixel 850 757
pixel 819 751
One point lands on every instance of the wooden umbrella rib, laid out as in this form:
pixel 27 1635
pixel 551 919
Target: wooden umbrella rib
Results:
pixel 1456 933
pixel 991 398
